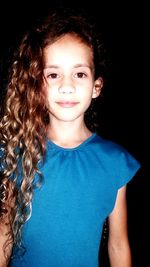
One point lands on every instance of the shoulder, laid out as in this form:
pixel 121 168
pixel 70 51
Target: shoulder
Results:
pixel 111 148
pixel 117 159
pixel 108 147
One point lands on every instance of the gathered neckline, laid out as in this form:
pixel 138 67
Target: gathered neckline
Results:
pixel 58 147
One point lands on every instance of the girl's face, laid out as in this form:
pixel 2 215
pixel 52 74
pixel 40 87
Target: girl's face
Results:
pixel 69 78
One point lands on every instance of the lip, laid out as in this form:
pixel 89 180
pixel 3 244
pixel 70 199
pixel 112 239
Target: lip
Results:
pixel 67 104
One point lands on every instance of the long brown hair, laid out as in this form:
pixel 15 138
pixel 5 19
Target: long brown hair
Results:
pixel 25 117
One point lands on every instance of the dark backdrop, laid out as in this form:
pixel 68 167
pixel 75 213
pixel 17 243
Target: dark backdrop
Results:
pixel 123 109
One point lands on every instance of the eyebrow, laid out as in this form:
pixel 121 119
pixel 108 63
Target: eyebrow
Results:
pixel 75 66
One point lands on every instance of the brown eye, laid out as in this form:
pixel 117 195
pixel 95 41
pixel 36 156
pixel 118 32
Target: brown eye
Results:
pixel 53 76
pixel 81 75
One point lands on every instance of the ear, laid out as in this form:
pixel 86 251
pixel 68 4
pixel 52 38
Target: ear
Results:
pixel 98 84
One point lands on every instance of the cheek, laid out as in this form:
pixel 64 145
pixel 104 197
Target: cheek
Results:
pixel 86 99
pixel 49 97
pixel 51 92
pixel 87 92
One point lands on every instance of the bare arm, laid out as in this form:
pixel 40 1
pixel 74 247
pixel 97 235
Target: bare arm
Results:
pixel 4 256
pixel 118 244
pixel 6 241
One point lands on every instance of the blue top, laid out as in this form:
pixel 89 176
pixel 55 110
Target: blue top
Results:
pixel 79 192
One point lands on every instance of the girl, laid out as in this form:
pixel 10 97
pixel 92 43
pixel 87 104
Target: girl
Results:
pixel 59 179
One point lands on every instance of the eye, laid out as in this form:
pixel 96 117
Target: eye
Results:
pixel 52 76
pixel 80 75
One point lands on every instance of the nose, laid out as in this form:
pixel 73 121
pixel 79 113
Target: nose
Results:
pixel 67 87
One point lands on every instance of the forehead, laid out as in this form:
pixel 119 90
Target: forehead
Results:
pixel 69 47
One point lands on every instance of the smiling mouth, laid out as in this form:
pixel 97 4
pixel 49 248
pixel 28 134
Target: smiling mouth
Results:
pixel 67 104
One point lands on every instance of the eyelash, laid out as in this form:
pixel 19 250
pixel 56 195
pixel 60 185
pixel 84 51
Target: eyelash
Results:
pixel 51 75
pixel 79 75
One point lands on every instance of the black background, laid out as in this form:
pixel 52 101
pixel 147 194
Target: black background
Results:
pixel 123 110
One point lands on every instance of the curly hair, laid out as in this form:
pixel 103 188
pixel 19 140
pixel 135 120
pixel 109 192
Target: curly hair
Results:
pixel 23 126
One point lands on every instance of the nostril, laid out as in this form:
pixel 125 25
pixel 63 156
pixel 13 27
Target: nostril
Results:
pixel 66 89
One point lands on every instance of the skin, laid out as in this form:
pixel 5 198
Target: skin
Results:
pixel 4 229
pixel 70 86
pixel 118 243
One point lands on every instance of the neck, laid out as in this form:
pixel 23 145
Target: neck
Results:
pixel 68 134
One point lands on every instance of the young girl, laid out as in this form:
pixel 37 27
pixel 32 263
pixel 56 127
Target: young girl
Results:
pixel 60 180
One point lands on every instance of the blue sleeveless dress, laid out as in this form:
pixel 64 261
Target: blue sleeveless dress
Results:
pixel 79 192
